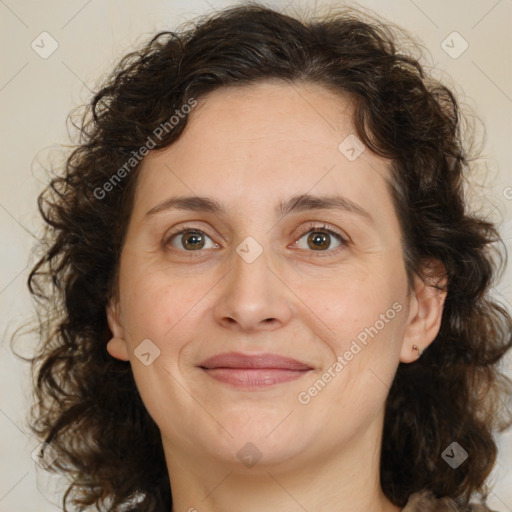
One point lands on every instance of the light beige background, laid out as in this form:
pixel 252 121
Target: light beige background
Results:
pixel 36 95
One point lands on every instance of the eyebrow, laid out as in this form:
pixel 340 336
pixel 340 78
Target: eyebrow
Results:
pixel 298 203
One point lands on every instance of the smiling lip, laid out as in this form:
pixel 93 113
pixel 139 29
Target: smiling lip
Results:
pixel 253 371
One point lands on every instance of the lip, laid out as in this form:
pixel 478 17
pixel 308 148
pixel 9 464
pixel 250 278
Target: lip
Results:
pixel 253 371
pixel 253 361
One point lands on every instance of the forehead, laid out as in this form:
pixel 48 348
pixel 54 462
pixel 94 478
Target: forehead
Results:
pixel 247 145
pixel 273 111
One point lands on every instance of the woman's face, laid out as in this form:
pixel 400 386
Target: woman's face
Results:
pixel 264 276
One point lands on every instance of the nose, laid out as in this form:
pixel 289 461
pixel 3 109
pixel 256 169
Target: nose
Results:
pixel 253 296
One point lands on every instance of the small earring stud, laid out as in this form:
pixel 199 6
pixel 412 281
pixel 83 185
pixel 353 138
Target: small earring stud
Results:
pixel 415 347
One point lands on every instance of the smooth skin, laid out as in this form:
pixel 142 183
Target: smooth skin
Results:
pixel 250 148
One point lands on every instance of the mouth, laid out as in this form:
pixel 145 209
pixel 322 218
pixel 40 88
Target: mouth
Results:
pixel 251 372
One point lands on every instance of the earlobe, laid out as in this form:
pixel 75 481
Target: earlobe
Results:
pixel 426 313
pixel 117 346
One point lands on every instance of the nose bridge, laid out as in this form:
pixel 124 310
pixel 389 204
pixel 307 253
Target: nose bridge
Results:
pixel 250 272
pixel 252 294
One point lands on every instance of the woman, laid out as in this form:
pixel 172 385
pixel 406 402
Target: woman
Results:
pixel 271 293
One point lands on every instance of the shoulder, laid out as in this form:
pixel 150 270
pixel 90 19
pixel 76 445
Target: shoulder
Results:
pixel 425 501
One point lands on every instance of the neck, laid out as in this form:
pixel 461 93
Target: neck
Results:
pixel 346 480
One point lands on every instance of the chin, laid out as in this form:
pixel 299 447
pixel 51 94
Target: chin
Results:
pixel 262 443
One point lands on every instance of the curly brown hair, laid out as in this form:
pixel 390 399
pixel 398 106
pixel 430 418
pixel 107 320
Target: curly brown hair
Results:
pixel 87 405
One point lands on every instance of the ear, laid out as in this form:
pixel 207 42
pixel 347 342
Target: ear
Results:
pixel 117 347
pixel 425 311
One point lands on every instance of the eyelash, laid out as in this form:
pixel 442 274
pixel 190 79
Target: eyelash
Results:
pixel 311 228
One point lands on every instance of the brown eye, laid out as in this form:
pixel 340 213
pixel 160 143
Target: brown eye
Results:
pixel 320 239
pixel 189 240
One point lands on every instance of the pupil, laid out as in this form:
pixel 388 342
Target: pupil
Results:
pixel 317 240
pixel 195 238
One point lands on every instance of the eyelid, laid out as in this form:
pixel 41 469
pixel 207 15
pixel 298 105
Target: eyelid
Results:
pixel 183 229
pixel 314 226
pixel 323 226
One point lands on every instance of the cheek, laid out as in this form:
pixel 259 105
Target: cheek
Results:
pixel 361 318
pixel 155 305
